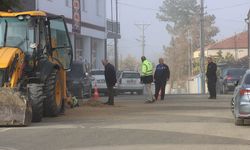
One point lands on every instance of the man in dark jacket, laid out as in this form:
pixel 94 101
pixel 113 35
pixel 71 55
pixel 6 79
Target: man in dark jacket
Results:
pixel 110 77
pixel 211 78
pixel 161 77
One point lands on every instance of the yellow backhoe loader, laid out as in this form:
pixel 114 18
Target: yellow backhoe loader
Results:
pixel 35 53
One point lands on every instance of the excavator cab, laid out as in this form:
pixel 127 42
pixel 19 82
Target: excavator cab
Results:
pixel 35 53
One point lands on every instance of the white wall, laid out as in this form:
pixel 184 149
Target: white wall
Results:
pixel 100 53
pixel 87 48
pixel 89 15
pixel 195 85
pixel 240 52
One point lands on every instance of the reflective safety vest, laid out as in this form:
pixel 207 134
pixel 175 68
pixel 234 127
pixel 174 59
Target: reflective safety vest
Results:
pixel 147 68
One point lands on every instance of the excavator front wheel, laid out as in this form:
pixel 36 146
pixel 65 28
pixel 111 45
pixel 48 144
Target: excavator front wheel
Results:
pixel 53 95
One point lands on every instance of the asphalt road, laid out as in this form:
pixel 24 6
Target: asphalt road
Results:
pixel 181 122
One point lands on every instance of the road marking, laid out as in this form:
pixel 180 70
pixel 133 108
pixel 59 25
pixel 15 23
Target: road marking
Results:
pixel 4 130
pixel 166 146
pixel 7 148
pixel 56 126
pixel 212 129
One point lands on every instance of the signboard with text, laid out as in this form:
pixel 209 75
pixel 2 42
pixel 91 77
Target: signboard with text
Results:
pixel 76 16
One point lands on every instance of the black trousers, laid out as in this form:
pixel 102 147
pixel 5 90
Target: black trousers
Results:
pixel 111 95
pixel 160 86
pixel 212 88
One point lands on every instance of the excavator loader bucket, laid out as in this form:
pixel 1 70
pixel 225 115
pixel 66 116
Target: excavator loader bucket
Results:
pixel 15 110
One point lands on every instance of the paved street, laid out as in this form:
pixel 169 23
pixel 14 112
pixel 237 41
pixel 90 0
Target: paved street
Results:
pixel 179 123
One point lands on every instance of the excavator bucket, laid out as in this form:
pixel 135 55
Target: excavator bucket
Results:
pixel 15 110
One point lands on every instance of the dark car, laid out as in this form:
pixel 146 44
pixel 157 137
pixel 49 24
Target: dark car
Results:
pixel 78 81
pixel 228 77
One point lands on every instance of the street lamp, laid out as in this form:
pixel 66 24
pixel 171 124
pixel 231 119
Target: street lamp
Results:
pixel 247 20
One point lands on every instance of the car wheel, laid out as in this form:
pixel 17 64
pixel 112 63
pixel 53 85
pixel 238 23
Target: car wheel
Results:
pixel 89 92
pixel 115 92
pixel 221 89
pixel 81 92
pixel 224 90
pixel 140 92
pixel 232 105
pixel 239 121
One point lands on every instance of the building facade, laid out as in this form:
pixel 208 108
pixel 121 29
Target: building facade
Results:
pixel 237 46
pixel 89 40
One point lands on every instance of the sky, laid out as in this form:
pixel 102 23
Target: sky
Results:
pixel 230 16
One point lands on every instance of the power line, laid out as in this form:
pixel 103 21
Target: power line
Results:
pixel 230 20
pixel 232 6
pixel 153 9
pixel 138 7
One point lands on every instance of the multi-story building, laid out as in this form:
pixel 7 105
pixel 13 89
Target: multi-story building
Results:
pixel 88 36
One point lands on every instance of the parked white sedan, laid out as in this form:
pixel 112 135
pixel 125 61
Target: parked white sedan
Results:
pixel 130 81
pixel 98 80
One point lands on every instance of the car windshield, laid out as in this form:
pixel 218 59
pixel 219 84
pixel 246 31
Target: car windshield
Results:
pixel 16 32
pixel 97 72
pixel 247 79
pixel 131 75
pixel 236 72
pixel 76 71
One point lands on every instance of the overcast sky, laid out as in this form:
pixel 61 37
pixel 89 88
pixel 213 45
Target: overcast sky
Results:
pixel 230 16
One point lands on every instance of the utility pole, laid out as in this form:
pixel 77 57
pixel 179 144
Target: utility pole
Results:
pixel 248 22
pixel 116 36
pixel 115 28
pixel 235 47
pixel 190 63
pixel 143 27
pixel 202 45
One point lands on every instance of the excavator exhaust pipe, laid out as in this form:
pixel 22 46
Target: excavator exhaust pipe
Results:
pixel 15 110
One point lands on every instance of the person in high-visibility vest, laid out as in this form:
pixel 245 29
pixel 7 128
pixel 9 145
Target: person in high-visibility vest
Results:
pixel 147 78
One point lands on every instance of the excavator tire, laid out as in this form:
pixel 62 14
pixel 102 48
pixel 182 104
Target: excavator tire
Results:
pixel 53 95
pixel 36 97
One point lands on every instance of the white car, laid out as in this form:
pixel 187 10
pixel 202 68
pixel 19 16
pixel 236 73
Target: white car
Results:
pixel 98 80
pixel 130 81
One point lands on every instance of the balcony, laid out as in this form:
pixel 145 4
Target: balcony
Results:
pixel 112 29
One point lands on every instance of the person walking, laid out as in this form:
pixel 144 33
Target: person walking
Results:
pixel 110 78
pixel 147 78
pixel 161 76
pixel 211 78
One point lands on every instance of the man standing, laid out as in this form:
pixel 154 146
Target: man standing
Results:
pixel 147 78
pixel 110 77
pixel 211 78
pixel 161 77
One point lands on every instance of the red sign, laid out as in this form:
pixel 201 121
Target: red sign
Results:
pixel 76 15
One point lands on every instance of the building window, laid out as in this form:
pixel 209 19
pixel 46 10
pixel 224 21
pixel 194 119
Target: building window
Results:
pixel 98 7
pixel 84 5
pixel 79 49
pixel 67 3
